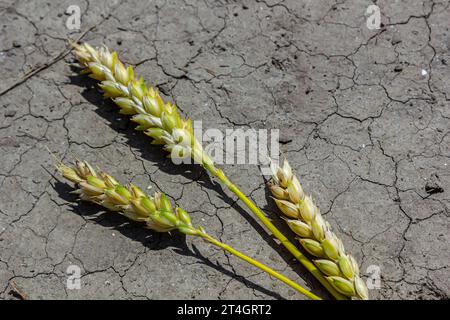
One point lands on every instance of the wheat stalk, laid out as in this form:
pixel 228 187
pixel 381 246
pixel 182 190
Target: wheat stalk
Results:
pixel 315 234
pixel 161 121
pixel 155 212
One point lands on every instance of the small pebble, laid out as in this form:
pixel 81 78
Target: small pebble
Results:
pixel 10 113
pixel 424 72
pixel 395 40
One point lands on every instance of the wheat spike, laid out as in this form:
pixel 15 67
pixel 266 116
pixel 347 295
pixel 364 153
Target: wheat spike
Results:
pixel 158 119
pixel 315 234
pixel 157 213
pixel 161 121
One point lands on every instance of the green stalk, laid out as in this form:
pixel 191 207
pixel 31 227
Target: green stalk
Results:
pixel 260 266
pixel 277 233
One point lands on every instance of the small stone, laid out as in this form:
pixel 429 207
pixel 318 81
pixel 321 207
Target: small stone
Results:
pixel 284 140
pixel 395 40
pixel 398 69
pixel 10 113
pixel 16 44
pixel 433 185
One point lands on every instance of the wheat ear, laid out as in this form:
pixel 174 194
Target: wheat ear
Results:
pixel 155 212
pixel 315 234
pixel 161 121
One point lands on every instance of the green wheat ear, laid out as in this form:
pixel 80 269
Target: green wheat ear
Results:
pixel 315 234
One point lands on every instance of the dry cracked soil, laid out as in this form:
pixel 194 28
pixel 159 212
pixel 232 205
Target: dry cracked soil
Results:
pixel 363 116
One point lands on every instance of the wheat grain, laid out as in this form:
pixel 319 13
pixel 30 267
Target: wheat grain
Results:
pixel 161 121
pixel 315 234
pixel 155 212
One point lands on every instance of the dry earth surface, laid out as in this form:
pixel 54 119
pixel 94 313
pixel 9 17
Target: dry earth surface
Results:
pixel 363 117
